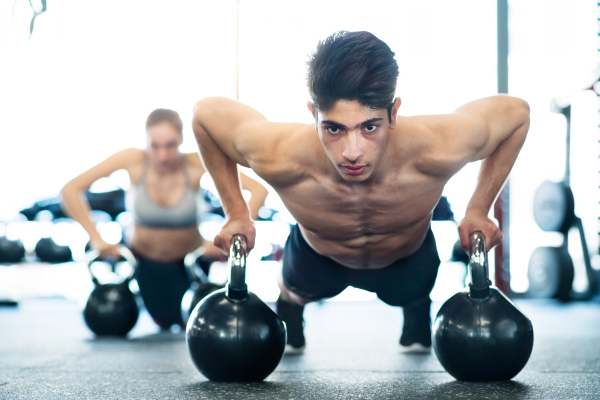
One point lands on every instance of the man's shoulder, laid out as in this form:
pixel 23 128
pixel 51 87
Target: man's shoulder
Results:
pixel 288 150
pixel 428 141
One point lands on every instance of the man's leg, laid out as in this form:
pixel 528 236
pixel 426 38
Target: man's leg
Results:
pixel 305 276
pixel 407 283
pixel 416 331
pixel 290 308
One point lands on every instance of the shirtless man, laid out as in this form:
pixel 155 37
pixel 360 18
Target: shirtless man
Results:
pixel 361 181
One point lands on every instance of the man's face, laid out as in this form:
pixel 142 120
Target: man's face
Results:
pixel 354 137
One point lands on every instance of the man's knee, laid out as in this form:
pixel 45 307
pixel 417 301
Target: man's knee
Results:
pixel 289 296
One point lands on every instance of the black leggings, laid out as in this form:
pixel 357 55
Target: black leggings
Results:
pixel 404 282
pixel 162 286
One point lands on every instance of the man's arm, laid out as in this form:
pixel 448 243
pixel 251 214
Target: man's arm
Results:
pixel 228 133
pixel 507 122
pixel 492 129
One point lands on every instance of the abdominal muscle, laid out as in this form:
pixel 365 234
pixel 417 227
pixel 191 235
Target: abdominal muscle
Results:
pixel 370 251
pixel 165 244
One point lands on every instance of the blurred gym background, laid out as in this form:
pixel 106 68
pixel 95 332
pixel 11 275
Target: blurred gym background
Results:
pixel 86 74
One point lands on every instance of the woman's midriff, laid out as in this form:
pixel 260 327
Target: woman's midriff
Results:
pixel 165 244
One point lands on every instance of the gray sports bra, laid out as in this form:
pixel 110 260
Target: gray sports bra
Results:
pixel 146 212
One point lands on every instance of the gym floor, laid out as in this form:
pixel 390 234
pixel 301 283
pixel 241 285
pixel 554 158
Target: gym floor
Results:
pixel 47 352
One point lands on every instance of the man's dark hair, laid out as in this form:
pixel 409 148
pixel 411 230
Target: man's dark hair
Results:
pixel 352 66
pixel 165 115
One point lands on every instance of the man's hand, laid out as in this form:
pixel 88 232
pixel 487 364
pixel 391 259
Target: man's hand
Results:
pixel 233 226
pixel 478 221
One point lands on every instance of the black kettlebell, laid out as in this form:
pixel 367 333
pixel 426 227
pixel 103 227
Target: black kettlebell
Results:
pixel 479 334
pixel 111 309
pixel 48 251
pixel 200 287
pixel 11 251
pixel 232 335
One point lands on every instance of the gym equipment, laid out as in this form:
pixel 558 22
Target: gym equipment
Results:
pixel 459 254
pixel 111 309
pixel 112 202
pixel 11 251
pixel 550 273
pixel 213 201
pixel 479 334
pixel 200 287
pixel 47 250
pixel 554 207
pixel 443 211
pixel 232 335
pixel 551 270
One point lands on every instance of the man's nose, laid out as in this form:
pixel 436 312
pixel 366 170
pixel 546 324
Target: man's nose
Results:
pixel 352 149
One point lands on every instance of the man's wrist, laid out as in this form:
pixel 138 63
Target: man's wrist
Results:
pixel 477 209
pixel 238 213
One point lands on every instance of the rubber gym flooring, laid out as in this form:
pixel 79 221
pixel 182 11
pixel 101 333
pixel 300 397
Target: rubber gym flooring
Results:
pixel 47 352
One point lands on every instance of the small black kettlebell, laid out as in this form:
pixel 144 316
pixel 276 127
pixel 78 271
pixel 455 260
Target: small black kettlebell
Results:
pixel 479 334
pixel 200 287
pixel 111 309
pixel 231 334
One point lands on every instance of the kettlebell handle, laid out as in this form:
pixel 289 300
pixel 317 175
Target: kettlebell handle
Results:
pixel 190 263
pixel 94 255
pixel 478 262
pixel 237 288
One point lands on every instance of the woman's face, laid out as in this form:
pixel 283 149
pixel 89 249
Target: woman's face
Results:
pixel 163 142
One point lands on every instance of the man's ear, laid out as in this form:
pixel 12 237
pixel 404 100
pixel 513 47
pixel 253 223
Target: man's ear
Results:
pixel 395 106
pixel 313 111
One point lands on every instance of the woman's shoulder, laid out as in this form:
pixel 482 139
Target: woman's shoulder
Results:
pixel 132 160
pixel 193 160
pixel 131 157
pixel 194 166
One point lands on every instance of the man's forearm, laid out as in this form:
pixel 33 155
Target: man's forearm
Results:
pixel 495 169
pixel 223 171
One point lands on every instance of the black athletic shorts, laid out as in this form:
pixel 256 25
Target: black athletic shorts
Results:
pixel 404 282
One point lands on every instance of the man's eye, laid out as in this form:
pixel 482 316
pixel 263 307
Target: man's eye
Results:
pixel 370 128
pixel 334 129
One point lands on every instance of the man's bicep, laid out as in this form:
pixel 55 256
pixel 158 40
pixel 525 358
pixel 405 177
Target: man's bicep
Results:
pixel 461 136
pixel 499 117
pixel 226 123
pixel 472 134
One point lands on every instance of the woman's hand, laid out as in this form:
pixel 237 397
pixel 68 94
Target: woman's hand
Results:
pixel 212 252
pixel 106 249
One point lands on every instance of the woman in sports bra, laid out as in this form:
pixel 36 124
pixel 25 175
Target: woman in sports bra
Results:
pixel 163 200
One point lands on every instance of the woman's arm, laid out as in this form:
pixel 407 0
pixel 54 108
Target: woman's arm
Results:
pixel 76 205
pixel 257 190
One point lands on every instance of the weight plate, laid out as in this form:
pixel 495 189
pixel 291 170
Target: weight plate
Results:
pixel 553 207
pixel 550 273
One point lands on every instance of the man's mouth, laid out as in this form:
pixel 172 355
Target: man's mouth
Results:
pixel 354 169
